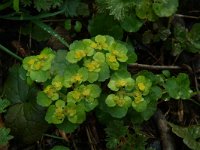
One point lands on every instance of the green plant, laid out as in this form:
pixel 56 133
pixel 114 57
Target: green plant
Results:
pixel 186 40
pixel 143 10
pixel 73 87
pixel 4 132
pixel 93 77
pixel 189 134
pixel 4 136
pixel 123 139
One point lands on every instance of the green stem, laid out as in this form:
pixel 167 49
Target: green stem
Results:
pixel 10 52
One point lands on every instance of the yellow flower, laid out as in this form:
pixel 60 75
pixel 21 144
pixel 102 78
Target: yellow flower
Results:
pixel 37 66
pixel 111 58
pixel 138 97
pixel 71 112
pixel 59 113
pixel 121 83
pixel 120 101
pixel 93 66
pixel 42 56
pixel 141 86
pixel 76 95
pixel 115 52
pixel 31 62
pixel 80 54
pixel 57 85
pixel 51 92
pixel 86 92
pixel 77 77
pixel 93 45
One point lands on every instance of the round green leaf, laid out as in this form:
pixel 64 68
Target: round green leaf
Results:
pixel 131 23
pixel 194 36
pixel 117 112
pixel 144 10
pixel 43 99
pixel 26 121
pixel 110 100
pixel 165 8
pixel 78 26
pixel 67 126
pixel 105 25
pixel 67 24
pixel 139 107
pixel 39 76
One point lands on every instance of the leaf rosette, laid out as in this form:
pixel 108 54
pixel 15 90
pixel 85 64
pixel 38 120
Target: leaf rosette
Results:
pixel 118 100
pixel 121 80
pixel 56 113
pixel 78 51
pixel 117 54
pixel 74 75
pixel 38 67
pixel 86 94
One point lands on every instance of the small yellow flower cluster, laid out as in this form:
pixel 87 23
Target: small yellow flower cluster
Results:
pixel 51 92
pixel 92 66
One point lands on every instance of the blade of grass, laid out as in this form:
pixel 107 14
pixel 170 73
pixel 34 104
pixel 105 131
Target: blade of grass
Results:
pixel 5 5
pixel 48 29
pixel 10 52
pixel 13 16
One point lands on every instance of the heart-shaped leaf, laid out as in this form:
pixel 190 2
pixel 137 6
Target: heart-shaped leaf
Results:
pixel 24 117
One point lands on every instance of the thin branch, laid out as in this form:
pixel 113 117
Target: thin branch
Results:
pixel 186 16
pixel 164 130
pixel 154 67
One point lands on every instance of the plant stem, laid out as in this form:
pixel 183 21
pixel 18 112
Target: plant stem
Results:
pixel 10 52
pixel 53 136
pixel 155 67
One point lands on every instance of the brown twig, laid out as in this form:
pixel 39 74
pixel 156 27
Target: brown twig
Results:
pixel 154 67
pixel 166 138
pixel 90 139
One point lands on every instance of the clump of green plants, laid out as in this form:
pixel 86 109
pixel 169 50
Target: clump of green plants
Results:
pixel 93 74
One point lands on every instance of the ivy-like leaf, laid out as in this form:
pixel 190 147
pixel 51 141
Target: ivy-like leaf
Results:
pixel 16 89
pixel 26 121
pixel 24 114
pixel 189 134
